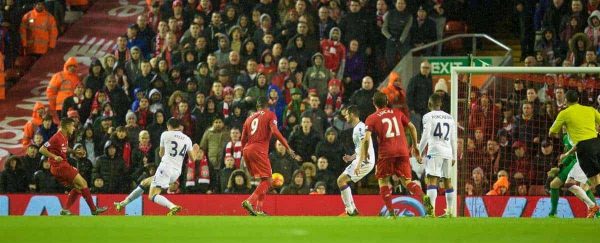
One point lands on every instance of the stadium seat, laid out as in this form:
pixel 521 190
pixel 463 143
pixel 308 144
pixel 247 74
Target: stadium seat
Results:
pixel 453 28
pixel 537 190
pixel 23 63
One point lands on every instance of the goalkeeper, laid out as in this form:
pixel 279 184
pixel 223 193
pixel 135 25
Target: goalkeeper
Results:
pixel 570 174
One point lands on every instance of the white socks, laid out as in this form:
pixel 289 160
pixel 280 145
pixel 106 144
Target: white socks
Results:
pixel 432 192
pixel 450 198
pixel 137 192
pixel 580 193
pixel 347 199
pixel 163 201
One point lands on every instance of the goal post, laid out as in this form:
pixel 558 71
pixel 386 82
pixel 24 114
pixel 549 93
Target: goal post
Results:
pixel 485 108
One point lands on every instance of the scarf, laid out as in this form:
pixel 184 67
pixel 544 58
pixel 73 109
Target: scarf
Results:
pixel 235 151
pixel 127 154
pixel 225 110
pixel 197 171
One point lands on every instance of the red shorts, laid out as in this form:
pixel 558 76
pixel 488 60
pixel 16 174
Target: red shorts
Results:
pixel 257 162
pixel 399 166
pixel 64 174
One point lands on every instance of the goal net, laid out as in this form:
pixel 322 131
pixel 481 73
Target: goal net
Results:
pixel 503 116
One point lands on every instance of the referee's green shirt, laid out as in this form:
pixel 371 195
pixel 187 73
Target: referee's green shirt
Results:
pixel 580 121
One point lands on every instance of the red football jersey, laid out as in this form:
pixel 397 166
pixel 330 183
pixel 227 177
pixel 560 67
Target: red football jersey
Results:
pixel 389 125
pixel 257 129
pixel 58 145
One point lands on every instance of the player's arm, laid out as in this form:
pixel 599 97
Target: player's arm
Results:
pixel 454 143
pixel 161 150
pixel 44 151
pixel 275 131
pixel 597 117
pixel 557 125
pixel 364 147
pixel 194 153
pixel 425 134
pixel 570 152
pixel 244 138
pixel 415 140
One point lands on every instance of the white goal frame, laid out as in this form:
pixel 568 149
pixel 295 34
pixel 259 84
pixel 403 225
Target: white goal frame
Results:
pixel 456 71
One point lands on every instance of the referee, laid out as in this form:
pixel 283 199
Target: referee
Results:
pixel 580 122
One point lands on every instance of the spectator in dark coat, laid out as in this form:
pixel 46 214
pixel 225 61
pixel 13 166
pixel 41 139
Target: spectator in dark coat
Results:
pixel 95 78
pixel 31 161
pixel 80 161
pixel 298 185
pixel 355 68
pixel 13 178
pixel 420 87
pixel 110 168
pixel 302 140
pixel 238 183
pixel 356 26
pixel 324 174
pixel 422 31
pixel 225 173
pixel 118 98
pixel 397 24
pixel 282 162
pixel 554 15
pixel 44 181
pixel 332 150
pixel 363 98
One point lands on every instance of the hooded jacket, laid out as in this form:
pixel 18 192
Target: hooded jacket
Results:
pixel 62 85
pixel 32 125
pixel 38 32
pixel 593 32
pixel 317 76
pixel 334 53
pixel 278 106
pixel 111 170
pixel 95 82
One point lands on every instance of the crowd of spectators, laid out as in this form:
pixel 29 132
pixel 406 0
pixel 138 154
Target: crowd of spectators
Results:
pixel 206 61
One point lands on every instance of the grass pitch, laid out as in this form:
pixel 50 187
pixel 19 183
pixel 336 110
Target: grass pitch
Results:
pixel 294 229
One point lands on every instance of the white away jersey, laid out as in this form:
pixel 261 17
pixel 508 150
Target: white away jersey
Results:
pixel 439 132
pixel 358 134
pixel 176 145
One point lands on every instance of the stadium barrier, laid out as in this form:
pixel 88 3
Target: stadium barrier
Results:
pixel 313 205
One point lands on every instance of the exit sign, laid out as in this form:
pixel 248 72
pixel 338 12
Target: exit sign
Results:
pixel 441 66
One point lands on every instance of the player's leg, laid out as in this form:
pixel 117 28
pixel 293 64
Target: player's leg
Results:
pixel 162 180
pixel 252 160
pixel 554 194
pixel 82 186
pixel 263 188
pixel 576 178
pixel 346 192
pixel 450 197
pixel 385 191
pixel 137 192
pixel 432 191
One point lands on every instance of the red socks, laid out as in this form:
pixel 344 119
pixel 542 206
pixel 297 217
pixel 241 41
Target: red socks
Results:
pixel 415 189
pixel 386 195
pixel 258 196
pixel 85 192
pixel 73 195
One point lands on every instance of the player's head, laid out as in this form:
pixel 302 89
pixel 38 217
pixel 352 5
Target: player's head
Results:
pixel 351 114
pixel 435 102
pixel 173 124
pixel 572 96
pixel 67 125
pixel 380 100
pixel 262 102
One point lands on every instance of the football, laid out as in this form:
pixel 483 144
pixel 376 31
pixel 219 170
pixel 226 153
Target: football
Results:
pixel 277 180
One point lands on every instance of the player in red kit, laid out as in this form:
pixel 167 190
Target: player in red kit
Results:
pixel 256 137
pixel 393 157
pixel 56 151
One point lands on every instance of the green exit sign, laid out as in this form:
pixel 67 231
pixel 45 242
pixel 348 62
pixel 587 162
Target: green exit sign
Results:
pixel 441 66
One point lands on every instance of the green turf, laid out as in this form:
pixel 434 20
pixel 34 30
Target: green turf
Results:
pixel 294 229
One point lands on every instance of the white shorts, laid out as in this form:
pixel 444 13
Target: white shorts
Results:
pixel 365 168
pixel 438 167
pixel 577 174
pixel 164 176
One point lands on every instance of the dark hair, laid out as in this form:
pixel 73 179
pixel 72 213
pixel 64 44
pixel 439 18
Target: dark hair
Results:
pixel 352 109
pixel 435 99
pixel 66 122
pixel 262 102
pixel 380 99
pixel 572 96
pixel 174 122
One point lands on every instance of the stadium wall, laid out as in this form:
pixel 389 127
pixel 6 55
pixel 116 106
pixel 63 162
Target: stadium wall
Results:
pixel 313 205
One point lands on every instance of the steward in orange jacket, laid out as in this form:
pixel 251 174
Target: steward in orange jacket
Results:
pixel 61 86
pixel 38 30
pixel 39 111
pixel 396 94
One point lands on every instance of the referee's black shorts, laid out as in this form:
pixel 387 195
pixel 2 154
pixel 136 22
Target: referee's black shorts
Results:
pixel 588 155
